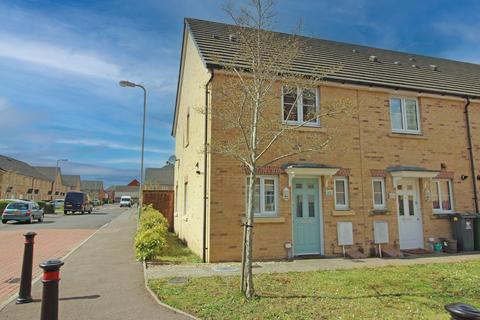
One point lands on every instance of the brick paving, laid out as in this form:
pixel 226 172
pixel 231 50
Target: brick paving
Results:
pixel 49 244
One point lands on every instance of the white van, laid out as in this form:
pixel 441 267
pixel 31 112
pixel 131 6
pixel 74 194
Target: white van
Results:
pixel 126 201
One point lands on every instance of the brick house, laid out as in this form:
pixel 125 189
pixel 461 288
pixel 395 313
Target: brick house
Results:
pixel 403 163
pixel 58 188
pixel 159 178
pixel 94 189
pixel 71 182
pixel 19 180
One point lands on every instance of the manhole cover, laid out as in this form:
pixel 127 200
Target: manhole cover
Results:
pixel 13 280
pixel 225 269
pixel 178 281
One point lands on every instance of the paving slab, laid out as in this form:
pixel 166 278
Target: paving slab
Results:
pixel 100 280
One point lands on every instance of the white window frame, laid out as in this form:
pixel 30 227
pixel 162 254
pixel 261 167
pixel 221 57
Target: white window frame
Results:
pixel 384 204
pixel 345 206
pixel 450 187
pixel 404 115
pixel 300 108
pixel 262 212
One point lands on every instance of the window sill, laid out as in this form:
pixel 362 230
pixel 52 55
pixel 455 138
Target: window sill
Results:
pixel 375 212
pixel 407 135
pixel 266 220
pixel 340 212
pixel 443 213
pixel 306 127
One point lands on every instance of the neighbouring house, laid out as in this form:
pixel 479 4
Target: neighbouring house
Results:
pixel 159 178
pixel 115 192
pixel 72 182
pixel 402 164
pixel 19 180
pixel 134 183
pixel 94 189
pixel 54 174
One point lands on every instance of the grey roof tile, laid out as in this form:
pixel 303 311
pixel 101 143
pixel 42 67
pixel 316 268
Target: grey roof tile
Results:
pixel 390 69
pixel 11 164
pixel 160 176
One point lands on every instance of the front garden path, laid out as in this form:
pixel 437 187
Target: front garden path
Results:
pixel 300 265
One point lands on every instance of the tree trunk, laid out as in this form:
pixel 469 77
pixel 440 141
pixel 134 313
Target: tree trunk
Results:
pixel 248 275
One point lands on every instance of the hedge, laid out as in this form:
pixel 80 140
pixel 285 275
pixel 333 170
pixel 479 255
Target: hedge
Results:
pixel 151 235
pixel 3 204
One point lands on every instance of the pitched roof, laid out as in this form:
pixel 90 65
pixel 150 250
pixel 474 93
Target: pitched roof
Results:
pixel 359 64
pixel 11 164
pixel 70 180
pixel 91 185
pixel 160 176
pixel 49 172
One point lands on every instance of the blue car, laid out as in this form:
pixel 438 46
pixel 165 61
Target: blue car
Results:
pixel 23 211
pixel 77 202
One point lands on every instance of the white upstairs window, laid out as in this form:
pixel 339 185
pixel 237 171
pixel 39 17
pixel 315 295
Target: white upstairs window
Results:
pixel 405 115
pixel 300 106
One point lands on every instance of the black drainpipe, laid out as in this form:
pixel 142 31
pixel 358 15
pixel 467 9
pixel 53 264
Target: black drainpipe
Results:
pixel 205 167
pixel 470 150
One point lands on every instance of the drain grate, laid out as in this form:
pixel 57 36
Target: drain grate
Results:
pixel 178 280
pixel 13 280
pixel 225 269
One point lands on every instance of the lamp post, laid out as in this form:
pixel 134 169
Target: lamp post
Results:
pixel 129 84
pixel 56 174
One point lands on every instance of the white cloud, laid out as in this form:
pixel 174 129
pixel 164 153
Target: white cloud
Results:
pixel 110 145
pixel 57 57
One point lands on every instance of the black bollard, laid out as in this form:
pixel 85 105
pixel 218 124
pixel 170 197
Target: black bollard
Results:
pixel 461 311
pixel 25 294
pixel 51 277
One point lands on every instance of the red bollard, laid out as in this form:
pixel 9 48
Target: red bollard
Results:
pixel 25 294
pixel 51 278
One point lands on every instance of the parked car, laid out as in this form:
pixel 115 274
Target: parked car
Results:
pixel 58 203
pixel 23 211
pixel 126 201
pixel 96 202
pixel 77 202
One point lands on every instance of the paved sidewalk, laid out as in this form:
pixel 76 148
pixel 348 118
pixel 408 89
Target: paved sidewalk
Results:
pixel 101 280
pixel 228 269
pixel 49 244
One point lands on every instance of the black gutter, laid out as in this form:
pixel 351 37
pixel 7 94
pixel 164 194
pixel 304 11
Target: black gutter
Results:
pixel 470 151
pixel 205 167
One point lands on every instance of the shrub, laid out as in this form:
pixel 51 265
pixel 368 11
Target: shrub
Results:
pixel 151 237
pixel 3 204
pixel 41 204
pixel 48 208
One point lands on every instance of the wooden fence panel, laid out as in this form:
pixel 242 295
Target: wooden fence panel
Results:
pixel 161 200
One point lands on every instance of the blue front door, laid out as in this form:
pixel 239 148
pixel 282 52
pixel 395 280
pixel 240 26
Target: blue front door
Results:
pixel 306 216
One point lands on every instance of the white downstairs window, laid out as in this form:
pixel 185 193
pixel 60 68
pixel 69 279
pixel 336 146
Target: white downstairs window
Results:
pixel 441 194
pixel 378 189
pixel 340 191
pixel 265 196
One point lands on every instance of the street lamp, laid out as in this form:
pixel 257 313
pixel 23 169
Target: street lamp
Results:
pixel 128 84
pixel 56 174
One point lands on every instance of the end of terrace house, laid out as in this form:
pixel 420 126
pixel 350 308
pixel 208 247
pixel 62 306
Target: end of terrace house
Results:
pixel 407 160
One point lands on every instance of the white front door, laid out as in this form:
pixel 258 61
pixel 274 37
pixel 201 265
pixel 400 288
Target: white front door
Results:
pixel 410 226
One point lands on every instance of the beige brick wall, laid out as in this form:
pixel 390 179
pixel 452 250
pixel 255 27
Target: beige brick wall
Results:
pixel 21 184
pixel 188 221
pixel 365 142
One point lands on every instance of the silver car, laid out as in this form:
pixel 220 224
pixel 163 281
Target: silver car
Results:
pixel 23 211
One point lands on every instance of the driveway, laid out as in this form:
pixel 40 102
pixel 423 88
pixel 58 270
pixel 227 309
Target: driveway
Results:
pixel 56 236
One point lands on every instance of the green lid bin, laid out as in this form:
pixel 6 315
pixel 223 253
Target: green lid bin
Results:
pixel 463 231
pixel 476 233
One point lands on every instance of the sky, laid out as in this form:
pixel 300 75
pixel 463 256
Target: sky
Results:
pixel 60 63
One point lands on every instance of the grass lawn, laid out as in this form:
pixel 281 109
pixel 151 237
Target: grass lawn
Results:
pixel 404 292
pixel 176 252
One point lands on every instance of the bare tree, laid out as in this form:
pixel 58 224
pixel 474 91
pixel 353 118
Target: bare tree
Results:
pixel 261 73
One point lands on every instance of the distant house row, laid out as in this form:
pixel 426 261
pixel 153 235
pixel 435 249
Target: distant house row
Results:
pixel 155 179
pixel 19 180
